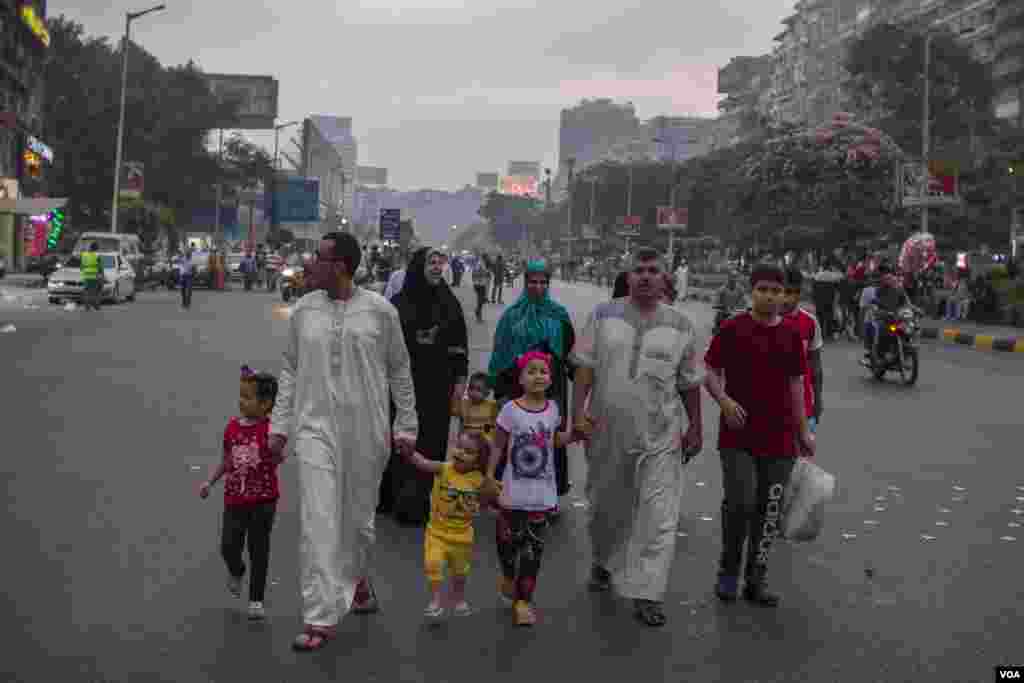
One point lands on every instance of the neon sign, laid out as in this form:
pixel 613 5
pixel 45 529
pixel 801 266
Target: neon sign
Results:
pixel 35 24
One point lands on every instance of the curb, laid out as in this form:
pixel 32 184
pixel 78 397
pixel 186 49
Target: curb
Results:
pixel 981 342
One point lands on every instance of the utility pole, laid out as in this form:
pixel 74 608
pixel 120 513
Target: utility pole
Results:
pixel 926 132
pixel 571 161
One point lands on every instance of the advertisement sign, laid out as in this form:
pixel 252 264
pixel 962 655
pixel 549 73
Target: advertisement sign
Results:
pixel 255 97
pixel 942 188
pixel 521 186
pixel 633 221
pixel 43 150
pixel 390 225
pixel 296 200
pixel 673 219
pixel 35 235
pixel 524 168
pixel 371 175
pixel 487 181
pixel 35 23
pixel 132 180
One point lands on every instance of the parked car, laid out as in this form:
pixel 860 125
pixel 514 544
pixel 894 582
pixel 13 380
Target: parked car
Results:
pixel 118 275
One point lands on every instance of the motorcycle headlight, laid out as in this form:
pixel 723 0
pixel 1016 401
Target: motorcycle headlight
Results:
pixel 288 272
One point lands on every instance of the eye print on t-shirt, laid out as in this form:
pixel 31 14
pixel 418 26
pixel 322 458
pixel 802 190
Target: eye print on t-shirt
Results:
pixel 531 452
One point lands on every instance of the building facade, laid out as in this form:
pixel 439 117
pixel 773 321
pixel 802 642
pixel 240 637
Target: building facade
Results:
pixel 746 83
pixel 331 153
pixel 1008 61
pixel 24 156
pixel 589 132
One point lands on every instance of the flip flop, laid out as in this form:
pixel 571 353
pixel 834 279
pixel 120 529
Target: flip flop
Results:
pixel 313 638
pixel 649 613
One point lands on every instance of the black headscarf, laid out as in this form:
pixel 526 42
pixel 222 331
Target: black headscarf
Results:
pixel 421 305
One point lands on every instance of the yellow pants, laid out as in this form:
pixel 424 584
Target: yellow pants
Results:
pixel 438 552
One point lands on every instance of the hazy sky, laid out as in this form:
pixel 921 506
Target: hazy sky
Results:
pixel 440 89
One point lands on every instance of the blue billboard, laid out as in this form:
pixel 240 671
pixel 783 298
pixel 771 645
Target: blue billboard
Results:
pixel 297 200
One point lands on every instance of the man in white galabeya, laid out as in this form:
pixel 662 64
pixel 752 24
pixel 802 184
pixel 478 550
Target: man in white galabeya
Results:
pixel 345 355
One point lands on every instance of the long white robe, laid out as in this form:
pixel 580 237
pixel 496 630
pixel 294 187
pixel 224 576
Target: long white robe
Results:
pixel 635 480
pixel 341 360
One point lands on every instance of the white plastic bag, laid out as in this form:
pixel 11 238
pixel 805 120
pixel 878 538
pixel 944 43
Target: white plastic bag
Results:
pixel 803 503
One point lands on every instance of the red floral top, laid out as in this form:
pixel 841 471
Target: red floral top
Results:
pixel 249 476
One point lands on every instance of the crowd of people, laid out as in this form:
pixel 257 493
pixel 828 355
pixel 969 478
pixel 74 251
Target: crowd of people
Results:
pixel 369 386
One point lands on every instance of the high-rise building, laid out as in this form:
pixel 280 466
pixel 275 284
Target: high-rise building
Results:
pixel 332 154
pixel 589 131
pixel 746 84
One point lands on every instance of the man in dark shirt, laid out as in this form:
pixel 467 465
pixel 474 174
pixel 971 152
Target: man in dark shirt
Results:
pixel 756 365
pixel 889 298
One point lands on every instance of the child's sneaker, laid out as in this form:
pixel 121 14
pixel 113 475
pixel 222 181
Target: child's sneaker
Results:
pixel 525 616
pixel 434 612
pixel 235 586
pixel 462 609
pixel 256 611
pixel 506 591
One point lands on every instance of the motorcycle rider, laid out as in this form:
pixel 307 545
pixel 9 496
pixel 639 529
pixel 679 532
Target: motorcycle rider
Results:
pixel 888 299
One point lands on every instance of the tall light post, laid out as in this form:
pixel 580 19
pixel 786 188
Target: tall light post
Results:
pixel 129 17
pixel 277 135
pixel 571 162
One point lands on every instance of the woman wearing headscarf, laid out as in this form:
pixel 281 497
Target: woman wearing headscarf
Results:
pixel 435 333
pixel 535 322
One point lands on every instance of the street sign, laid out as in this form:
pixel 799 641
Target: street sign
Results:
pixel 390 225
pixel 296 200
pixel 942 189
pixel 673 218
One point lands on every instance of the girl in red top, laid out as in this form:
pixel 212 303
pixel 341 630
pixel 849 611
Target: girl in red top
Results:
pixel 250 487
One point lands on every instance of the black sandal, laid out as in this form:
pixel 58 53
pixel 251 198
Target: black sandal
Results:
pixel 649 612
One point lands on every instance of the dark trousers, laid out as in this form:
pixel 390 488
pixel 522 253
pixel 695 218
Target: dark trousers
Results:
pixel 520 538
pixel 93 293
pixel 481 299
pixel 751 509
pixel 248 525
pixel 499 285
pixel 186 290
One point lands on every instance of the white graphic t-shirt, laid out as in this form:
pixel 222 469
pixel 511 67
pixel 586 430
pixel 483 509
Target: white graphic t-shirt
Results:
pixel 529 481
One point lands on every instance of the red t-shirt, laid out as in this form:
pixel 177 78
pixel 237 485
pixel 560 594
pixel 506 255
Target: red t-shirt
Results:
pixel 810 334
pixel 759 361
pixel 250 476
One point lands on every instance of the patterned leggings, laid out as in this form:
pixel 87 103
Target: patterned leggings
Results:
pixel 520 546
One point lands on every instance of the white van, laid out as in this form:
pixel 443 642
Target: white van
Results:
pixel 129 246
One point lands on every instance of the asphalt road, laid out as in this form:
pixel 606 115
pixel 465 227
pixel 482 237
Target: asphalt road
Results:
pixel 111 570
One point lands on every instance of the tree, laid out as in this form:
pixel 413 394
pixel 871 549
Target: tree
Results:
pixel 886 66
pixel 511 217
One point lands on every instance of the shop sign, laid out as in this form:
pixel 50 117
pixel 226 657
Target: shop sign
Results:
pixel 35 23
pixel 40 148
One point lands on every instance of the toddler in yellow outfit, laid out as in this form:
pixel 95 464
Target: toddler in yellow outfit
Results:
pixel 454 502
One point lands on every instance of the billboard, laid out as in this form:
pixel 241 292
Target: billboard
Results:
pixel 256 97
pixel 942 189
pixel 520 185
pixel 296 200
pixel 390 225
pixel 673 219
pixel 526 168
pixel 487 181
pixel 371 175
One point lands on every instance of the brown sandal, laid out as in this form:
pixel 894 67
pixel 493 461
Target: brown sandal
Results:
pixel 313 638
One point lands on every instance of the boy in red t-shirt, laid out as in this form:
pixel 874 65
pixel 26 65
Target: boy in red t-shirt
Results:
pixel 756 365
pixel 250 488
pixel 810 333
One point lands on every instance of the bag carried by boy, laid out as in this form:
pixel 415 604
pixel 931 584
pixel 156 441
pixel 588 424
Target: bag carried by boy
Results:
pixel 803 502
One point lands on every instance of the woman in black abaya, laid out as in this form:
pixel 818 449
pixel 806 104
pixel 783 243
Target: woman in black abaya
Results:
pixel 435 333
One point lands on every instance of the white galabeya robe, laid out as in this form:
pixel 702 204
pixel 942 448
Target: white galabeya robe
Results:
pixel 341 361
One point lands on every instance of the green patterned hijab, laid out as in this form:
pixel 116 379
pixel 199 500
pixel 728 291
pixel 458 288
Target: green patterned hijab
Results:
pixel 528 324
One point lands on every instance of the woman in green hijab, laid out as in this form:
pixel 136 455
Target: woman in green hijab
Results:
pixel 535 321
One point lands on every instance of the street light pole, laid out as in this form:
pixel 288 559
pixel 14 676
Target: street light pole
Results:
pixel 128 18
pixel 926 132
pixel 571 161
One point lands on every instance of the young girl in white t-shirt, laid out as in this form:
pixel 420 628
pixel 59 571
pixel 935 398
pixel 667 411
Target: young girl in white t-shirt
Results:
pixel 527 434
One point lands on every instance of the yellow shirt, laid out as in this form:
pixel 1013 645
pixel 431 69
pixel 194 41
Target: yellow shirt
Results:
pixel 454 502
pixel 479 418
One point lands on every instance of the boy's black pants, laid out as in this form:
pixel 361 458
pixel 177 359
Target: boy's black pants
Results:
pixel 248 525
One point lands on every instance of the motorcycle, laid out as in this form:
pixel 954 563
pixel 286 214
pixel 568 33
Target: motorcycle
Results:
pixel 896 349
pixel 292 283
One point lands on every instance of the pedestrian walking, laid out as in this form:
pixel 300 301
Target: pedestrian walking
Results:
pixel 638 365
pixel 251 488
pixel 345 357
pixel 499 280
pixel 813 340
pixel 756 365
pixel 448 540
pixel 481 281
pixel 528 433
pixel 92 277
pixel 186 276
pixel 535 322
pixel 683 280
pixel 435 335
